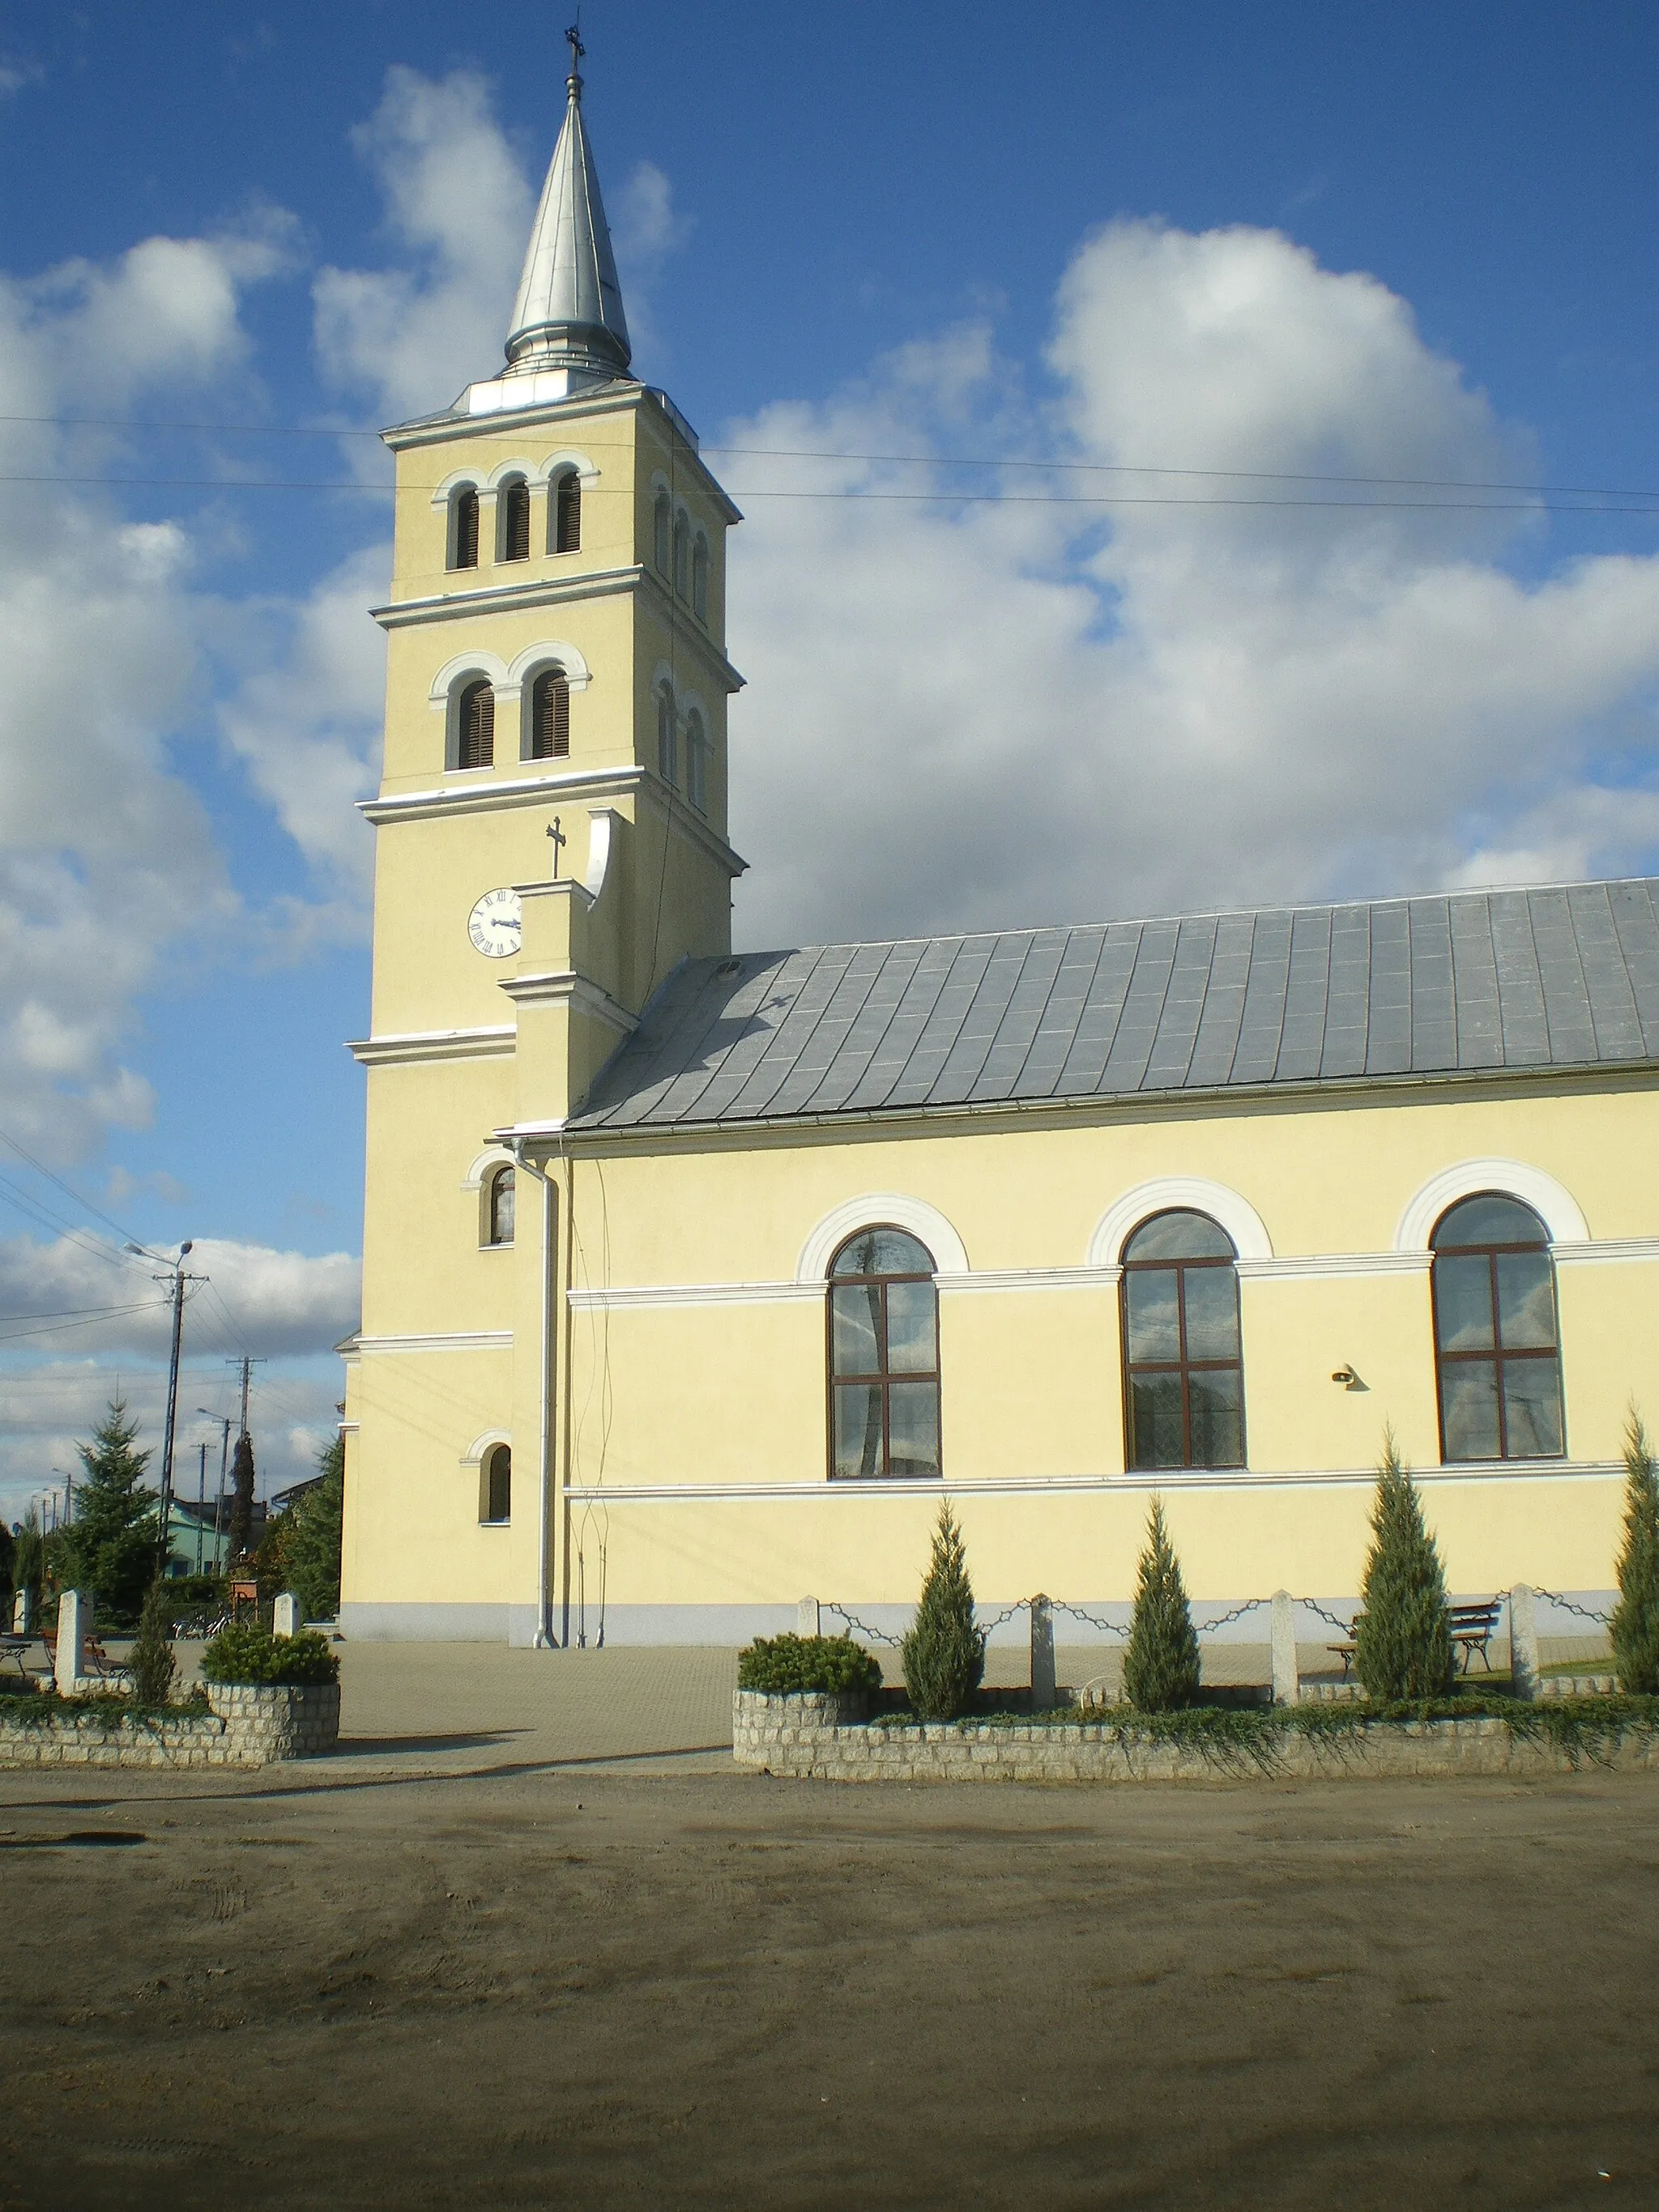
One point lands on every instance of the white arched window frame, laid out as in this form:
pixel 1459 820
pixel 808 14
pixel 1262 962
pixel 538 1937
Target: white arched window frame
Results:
pixel 516 686
pixel 896 1209
pixel 1183 1194
pixel 662 531
pixel 449 501
pixel 479 1184
pixel 1551 1202
pixel 682 555
pixel 566 463
pixel 445 698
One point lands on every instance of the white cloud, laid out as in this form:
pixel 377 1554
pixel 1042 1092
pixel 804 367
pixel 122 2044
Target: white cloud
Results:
pixel 459 206
pixel 1023 713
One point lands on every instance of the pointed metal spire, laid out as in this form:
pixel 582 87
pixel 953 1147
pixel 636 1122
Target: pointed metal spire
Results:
pixel 569 311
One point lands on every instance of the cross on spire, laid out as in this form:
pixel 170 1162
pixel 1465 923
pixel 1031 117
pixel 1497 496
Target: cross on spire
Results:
pixel 560 841
pixel 574 37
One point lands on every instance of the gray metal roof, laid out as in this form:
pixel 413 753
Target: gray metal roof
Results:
pixel 1470 983
pixel 569 311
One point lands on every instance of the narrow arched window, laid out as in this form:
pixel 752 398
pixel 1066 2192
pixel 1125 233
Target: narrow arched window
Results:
pixel 496 1503
pixel 662 528
pixel 1184 1370
pixel 503 1199
pixel 682 556
pixel 550 715
pixel 475 726
pixel 515 498
pixel 568 513
pixel 1496 1335
pixel 697 761
pixel 668 750
pixel 700 578
pixel 883 1358
pixel 464 529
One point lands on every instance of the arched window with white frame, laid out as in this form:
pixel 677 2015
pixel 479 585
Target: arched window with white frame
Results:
pixel 513 506
pixel 1497 1335
pixel 495 1486
pixel 564 517
pixel 668 750
pixel 883 1358
pixel 1183 1365
pixel 501 1203
pixel 697 761
pixel 662 517
pixel 682 556
pixel 464 527
pixel 550 715
pixel 475 725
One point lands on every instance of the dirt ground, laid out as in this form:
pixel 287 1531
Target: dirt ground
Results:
pixel 698 1988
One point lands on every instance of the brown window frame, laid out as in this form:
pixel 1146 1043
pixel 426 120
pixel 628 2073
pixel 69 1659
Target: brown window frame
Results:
pixel 1183 1367
pixel 887 1377
pixel 1496 1357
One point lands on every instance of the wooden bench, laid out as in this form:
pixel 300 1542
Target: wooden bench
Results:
pixel 14 1647
pixel 95 1660
pixel 1473 1627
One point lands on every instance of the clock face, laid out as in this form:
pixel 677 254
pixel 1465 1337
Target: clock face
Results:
pixel 496 924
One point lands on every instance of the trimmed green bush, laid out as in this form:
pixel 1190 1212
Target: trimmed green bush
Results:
pixel 1160 1666
pixel 249 1654
pixel 1635 1626
pixel 944 1653
pixel 783 1664
pixel 1402 1639
pixel 153 1662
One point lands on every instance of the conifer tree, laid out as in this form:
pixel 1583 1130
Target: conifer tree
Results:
pixel 310 1549
pixel 109 1548
pixel 28 1559
pixel 1161 1665
pixel 1403 1646
pixel 153 1661
pixel 944 1653
pixel 1635 1626
pixel 241 1535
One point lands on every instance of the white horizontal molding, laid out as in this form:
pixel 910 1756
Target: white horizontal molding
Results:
pixel 508 598
pixel 563 987
pixel 1146 1480
pixel 408 1045
pixel 1030 1279
pixel 1603 1249
pixel 556 787
pixel 458 1339
pixel 1318 1266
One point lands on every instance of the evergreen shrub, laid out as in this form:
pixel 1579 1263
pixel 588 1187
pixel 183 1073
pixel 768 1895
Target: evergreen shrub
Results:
pixel 109 1549
pixel 1635 1626
pixel 153 1662
pixel 783 1664
pixel 944 1653
pixel 1161 1665
pixel 1402 1639
pixel 248 1654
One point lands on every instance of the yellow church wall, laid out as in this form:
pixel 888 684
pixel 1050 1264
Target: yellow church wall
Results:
pixel 1235 1543
pixel 423 1270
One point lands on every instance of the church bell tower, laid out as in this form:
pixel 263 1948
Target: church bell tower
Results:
pixel 551 841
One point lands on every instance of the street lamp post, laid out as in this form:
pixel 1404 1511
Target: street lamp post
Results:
pixel 177 1278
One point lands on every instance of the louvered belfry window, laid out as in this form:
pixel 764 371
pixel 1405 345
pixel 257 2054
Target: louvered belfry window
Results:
pixel 476 719
pixel 567 514
pixel 465 550
pixel 550 715
pixel 515 521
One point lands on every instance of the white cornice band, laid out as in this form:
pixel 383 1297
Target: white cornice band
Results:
pixel 412 1046
pixel 456 1339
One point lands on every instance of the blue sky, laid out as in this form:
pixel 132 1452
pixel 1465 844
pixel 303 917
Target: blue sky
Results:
pixel 1411 242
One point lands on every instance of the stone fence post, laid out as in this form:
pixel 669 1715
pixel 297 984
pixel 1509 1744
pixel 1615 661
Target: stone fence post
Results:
pixel 74 1618
pixel 1043 1656
pixel 285 1617
pixel 1523 1641
pixel 806 1617
pixel 1287 1685
pixel 23 1612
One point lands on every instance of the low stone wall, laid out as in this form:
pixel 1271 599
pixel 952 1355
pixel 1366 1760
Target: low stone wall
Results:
pixel 827 1739
pixel 244 1726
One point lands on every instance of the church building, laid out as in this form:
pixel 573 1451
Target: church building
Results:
pixel 692 1280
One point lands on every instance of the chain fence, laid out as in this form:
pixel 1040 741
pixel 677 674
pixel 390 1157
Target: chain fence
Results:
pixel 863 1627
pixel 1584 1612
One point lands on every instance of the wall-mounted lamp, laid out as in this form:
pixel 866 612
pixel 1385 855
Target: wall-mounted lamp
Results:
pixel 1348 1377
